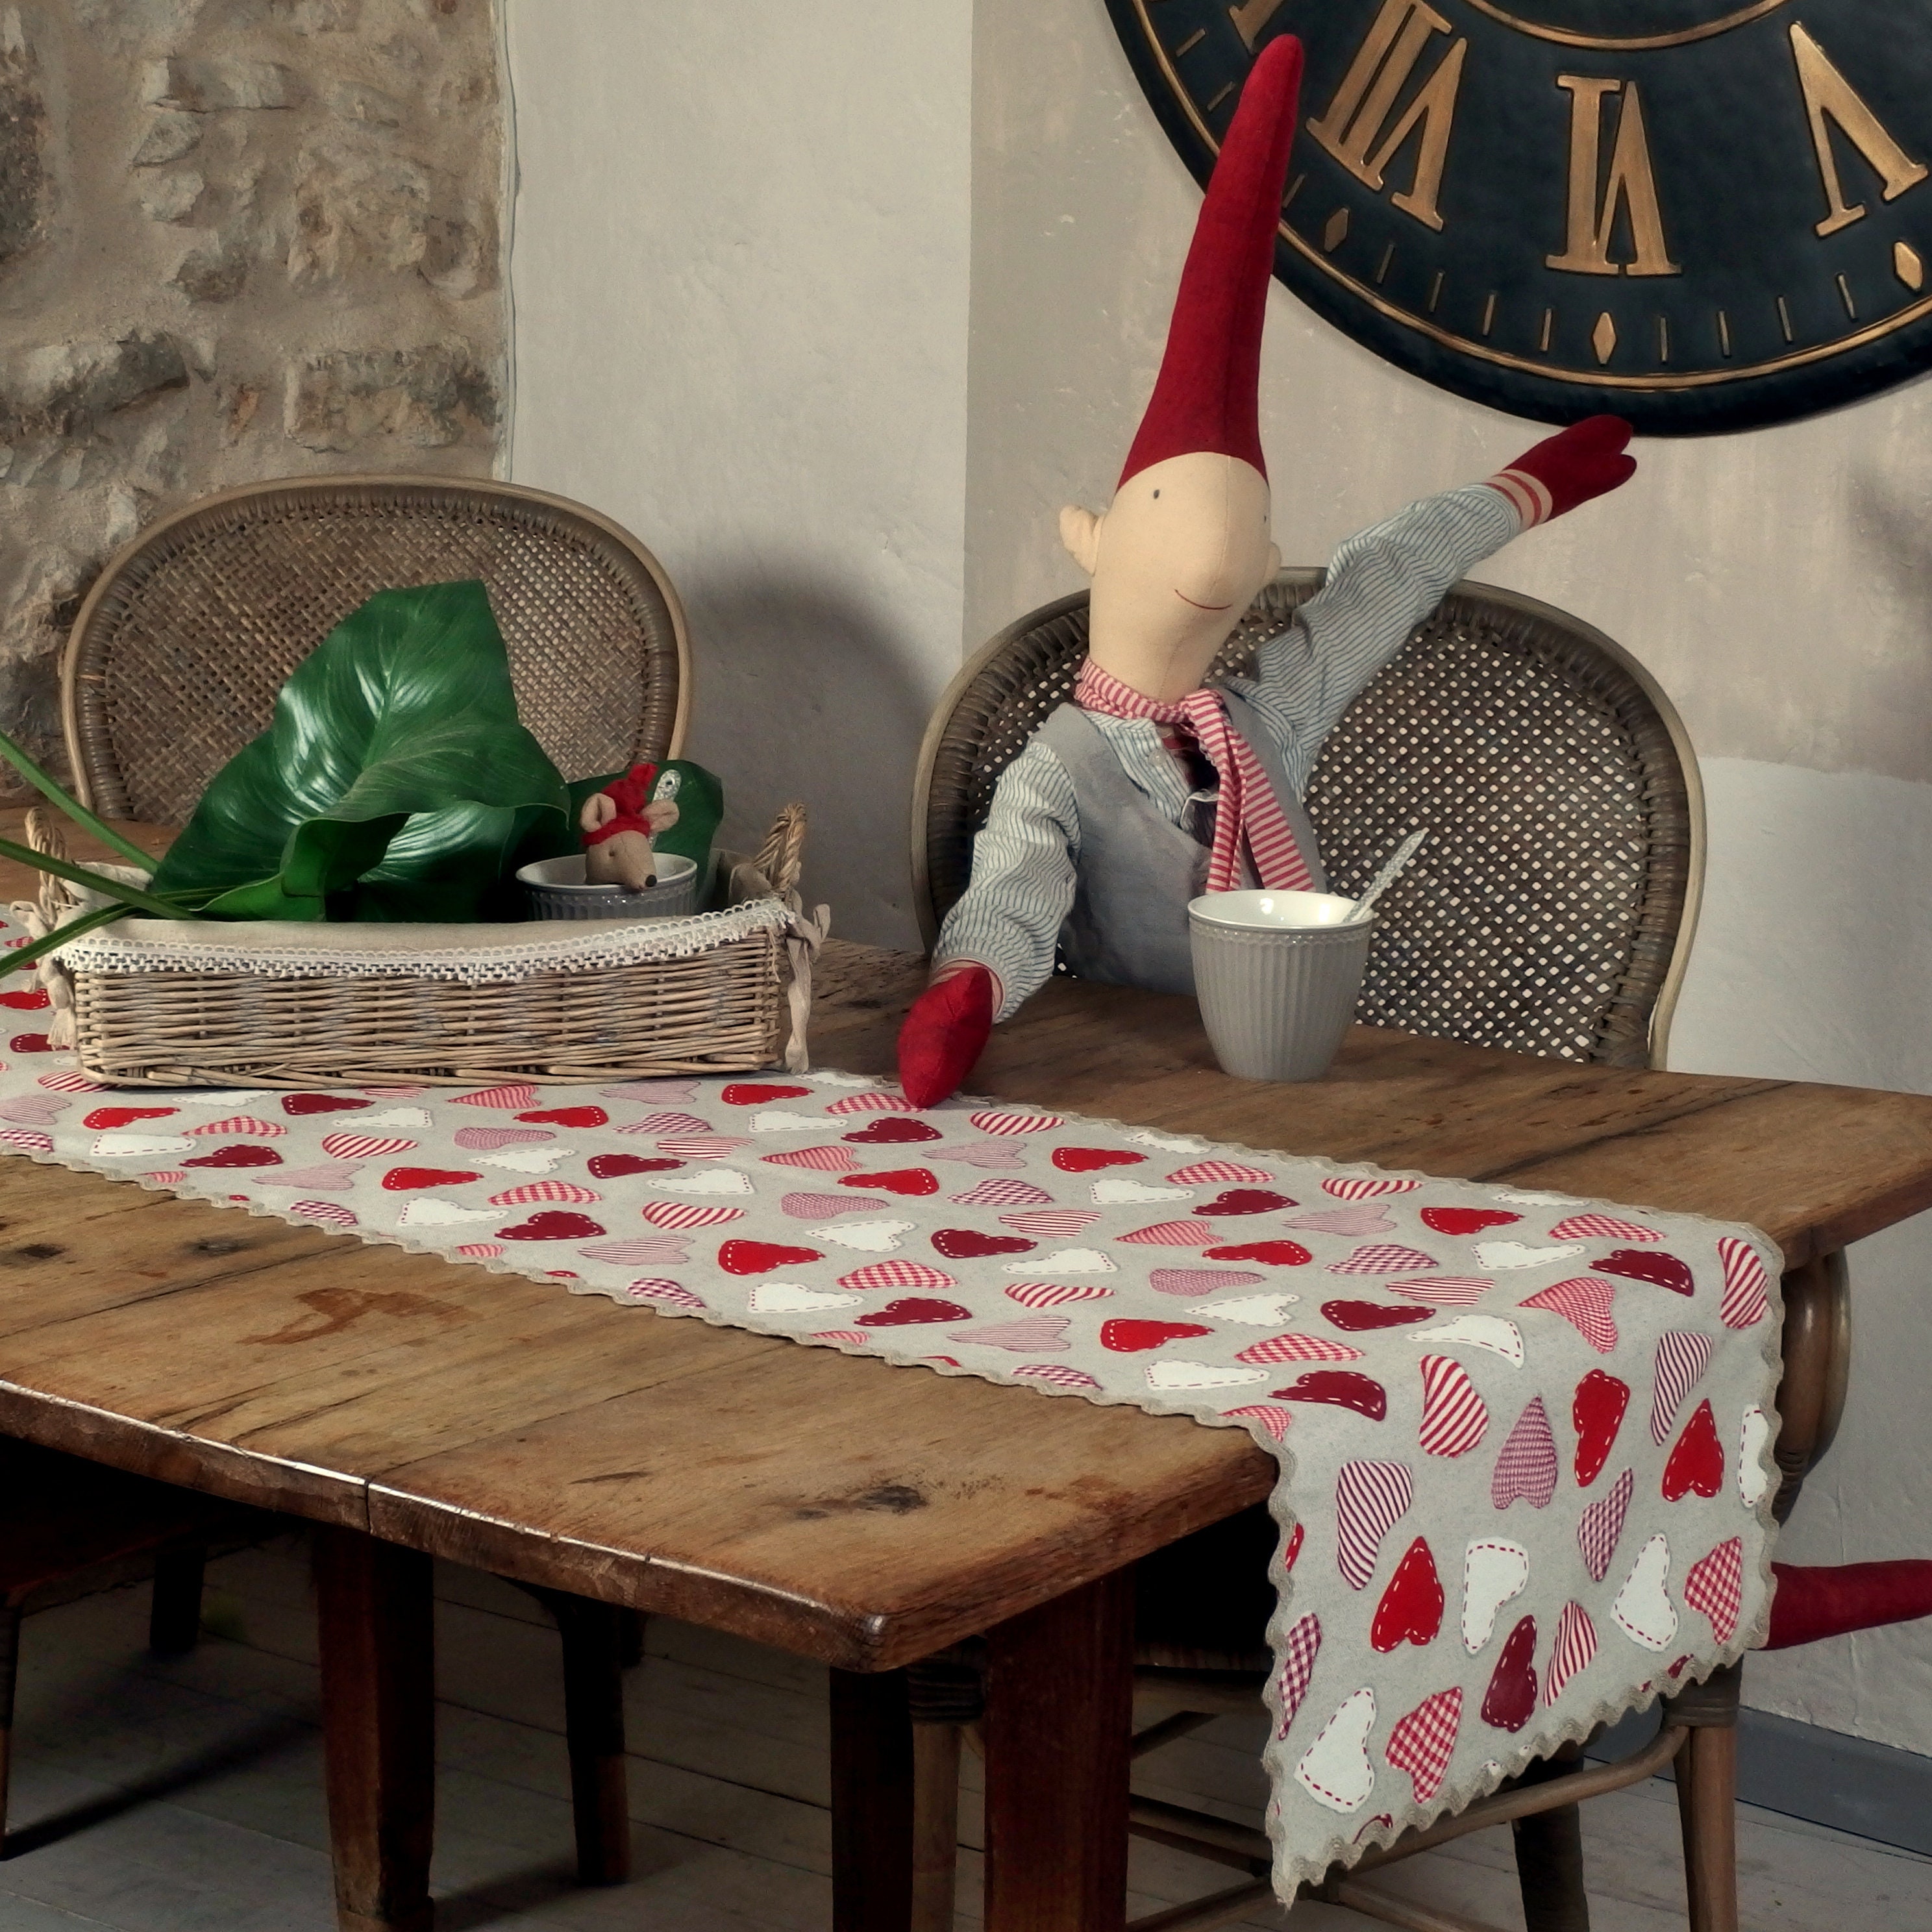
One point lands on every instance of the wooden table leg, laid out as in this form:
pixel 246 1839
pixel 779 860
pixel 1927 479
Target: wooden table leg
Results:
pixel 1550 1854
pixel 872 1802
pixel 1059 1719
pixel 1707 1797
pixel 378 1727
pixel 1817 1349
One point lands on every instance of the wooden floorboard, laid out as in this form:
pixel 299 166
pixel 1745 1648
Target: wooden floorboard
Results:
pixel 203 1778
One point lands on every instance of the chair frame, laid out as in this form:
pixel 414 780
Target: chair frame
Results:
pixel 1306 581
pixel 97 781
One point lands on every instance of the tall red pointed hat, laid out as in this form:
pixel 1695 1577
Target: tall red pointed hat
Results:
pixel 1205 397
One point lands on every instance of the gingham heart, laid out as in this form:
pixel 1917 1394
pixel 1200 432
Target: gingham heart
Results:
pixel 248 1124
pixel 1422 1742
pixel 1272 1417
pixel 1455 1418
pixel 30 1140
pixel 822 1207
pixel 488 1140
pixel 661 1293
pixel 1299 1649
pixel 332 1212
pixel 1383 1258
pixel 1575 1645
pixel 1055 1375
pixel 1292 1348
pixel 1584 1301
pixel 1370 1498
pixel 1002 1194
pixel 1200 1281
pixel 1746 1299
pixel 1600 1528
pixel 1526 1467
pixel 1715 1584
pixel 897 1274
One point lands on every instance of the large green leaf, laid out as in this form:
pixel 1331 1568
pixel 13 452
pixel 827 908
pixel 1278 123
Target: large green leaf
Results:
pixel 395 781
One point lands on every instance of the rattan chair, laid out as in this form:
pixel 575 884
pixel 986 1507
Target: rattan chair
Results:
pixel 1551 910
pixel 173 665
pixel 175 658
pixel 1551 913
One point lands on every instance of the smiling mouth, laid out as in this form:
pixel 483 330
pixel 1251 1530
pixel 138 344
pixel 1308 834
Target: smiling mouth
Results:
pixel 1186 599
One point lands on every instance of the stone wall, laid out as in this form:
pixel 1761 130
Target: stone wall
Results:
pixel 238 239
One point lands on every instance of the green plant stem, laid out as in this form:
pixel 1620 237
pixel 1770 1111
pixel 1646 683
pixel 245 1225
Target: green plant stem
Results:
pixel 27 955
pixel 78 875
pixel 50 787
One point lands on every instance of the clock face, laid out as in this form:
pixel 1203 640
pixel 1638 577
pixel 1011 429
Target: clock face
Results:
pixel 1699 214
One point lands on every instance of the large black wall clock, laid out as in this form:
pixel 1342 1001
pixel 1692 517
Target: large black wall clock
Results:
pixel 1702 215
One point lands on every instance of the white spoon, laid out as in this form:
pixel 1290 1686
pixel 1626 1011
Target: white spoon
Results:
pixel 1387 877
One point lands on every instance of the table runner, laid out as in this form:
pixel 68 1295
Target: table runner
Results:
pixel 1524 1440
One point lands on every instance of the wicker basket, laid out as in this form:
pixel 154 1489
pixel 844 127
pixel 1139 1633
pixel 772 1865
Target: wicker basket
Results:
pixel 720 1010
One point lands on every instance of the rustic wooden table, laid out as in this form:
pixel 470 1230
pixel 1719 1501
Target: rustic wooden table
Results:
pixel 830 1505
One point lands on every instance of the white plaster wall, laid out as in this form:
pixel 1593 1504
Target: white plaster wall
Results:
pixel 1777 583
pixel 740 270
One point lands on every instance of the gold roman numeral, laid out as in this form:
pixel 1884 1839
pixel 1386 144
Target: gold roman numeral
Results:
pixel 1827 92
pixel 1355 129
pixel 1631 185
pixel 1251 15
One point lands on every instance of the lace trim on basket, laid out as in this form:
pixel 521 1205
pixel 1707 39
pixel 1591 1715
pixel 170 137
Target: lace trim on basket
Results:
pixel 276 950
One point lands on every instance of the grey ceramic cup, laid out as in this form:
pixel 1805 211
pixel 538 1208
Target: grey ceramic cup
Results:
pixel 1277 975
pixel 554 889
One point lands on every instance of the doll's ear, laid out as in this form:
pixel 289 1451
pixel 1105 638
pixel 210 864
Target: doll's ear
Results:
pixel 1080 532
pixel 1274 561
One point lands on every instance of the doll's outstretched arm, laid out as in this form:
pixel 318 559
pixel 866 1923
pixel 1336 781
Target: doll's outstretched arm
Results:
pixel 996 946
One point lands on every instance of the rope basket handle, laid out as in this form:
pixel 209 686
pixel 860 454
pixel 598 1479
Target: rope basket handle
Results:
pixel 781 857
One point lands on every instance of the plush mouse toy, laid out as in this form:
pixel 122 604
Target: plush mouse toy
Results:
pixel 1151 788
pixel 618 824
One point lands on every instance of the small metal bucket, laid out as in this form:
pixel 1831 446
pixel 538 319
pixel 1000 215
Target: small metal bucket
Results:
pixel 554 889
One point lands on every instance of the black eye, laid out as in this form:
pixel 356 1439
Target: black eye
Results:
pixel 1156 492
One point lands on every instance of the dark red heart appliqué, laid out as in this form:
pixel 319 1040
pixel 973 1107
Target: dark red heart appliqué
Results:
pixel 1338 1388
pixel 1410 1610
pixel 899 1181
pixel 889 1128
pixel 1511 1697
pixel 31 1042
pixel 400 1180
pixel 968 1244
pixel 1466 1220
pixel 1697 1461
pixel 1355 1318
pixel 750 1093
pixel 1597 1413
pixel 241 1155
pixel 910 1308
pixel 554 1225
pixel 119 1117
pixel 1660 1271
pixel 1244 1201
pixel 1126 1336
pixel 1281 1254
pixel 320 1103
pixel 567 1117
pixel 609 1166
pixel 1088 1160
pixel 761 1257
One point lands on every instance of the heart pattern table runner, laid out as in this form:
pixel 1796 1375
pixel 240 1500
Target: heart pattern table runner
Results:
pixel 1524 1440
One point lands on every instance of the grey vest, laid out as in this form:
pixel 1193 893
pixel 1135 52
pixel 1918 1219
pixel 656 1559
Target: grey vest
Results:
pixel 1137 871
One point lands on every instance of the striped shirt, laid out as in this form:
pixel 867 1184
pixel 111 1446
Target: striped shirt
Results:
pixel 1383 582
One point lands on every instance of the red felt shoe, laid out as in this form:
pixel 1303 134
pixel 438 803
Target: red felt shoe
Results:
pixel 1585 461
pixel 943 1034
pixel 1831 1599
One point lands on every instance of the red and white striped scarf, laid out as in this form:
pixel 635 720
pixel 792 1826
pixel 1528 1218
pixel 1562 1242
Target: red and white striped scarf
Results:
pixel 1249 808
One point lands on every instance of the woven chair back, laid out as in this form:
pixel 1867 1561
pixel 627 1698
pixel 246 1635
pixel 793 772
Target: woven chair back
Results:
pixel 175 658
pixel 1551 910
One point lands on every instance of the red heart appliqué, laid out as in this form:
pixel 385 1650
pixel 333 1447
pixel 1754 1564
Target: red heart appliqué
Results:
pixel 1244 1201
pixel 400 1180
pixel 1338 1388
pixel 1466 1220
pixel 749 1093
pixel 888 1128
pixel 119 1117
pixel 967 1244
pixel 33 1002
pixel 1282 1254
pixel 31 1043
pixel 552 1225
pixel 1597 1413
pixel 241 1155
pixel 1410 1610
pixel 567 1117
pixel 1128 1337
pixel 1697 1462
pixel 1511 1697
pixel 1354 1318
pixel 910 1308
pixel 609 1166
pixel 900 1181
pixel 320 1103
pixel 1087 1160
pixel 1640 1264
pixel 1296 1538
pixel 761 1257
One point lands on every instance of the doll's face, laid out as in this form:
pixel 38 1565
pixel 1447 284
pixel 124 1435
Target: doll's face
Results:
pixel 1175 562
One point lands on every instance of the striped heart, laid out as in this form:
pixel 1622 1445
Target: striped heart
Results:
pixel 702 1147
pixel 1444 1291
pixel 640 1251
pixel 1366 1187
pixel 820 1159
pixel 543 1190
pixel 651 1090
pixel 1370 1498
pixel 672 1122
pixel 1575 1645
pixel 1455 1418
pixel 1681 1359
pixel 363 1147
pixel 1601 1527
pixel 1004 1123
pixel 1747 1300
pixel 980 1154
pixel 1601 1227
pixel 1057 1223
pixel 1031 1335
pixel 673 1214
pixel 509 1098
pixel 1585 1302
pixel 1526 1468
pixel 873 1100
pixel 248 1124
pixel 1298 1349
pixel 71 1083
pixel 488 1140
pixel 1001 1194
pixel 481 1251
pixel 1715 1584
pixel 1208 1173
pixel 1359 1217
pixel 1173 1234
pixel 1052 1293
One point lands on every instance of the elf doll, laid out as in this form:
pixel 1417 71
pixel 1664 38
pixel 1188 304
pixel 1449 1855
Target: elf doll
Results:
pixel 1150 787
